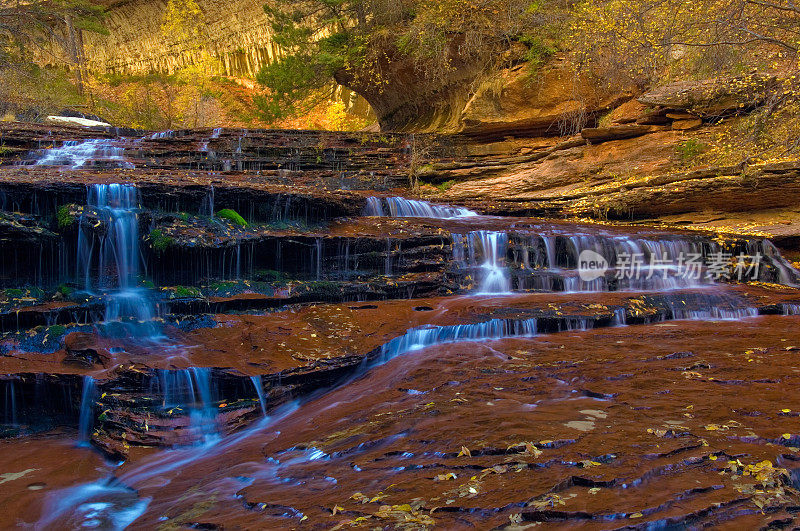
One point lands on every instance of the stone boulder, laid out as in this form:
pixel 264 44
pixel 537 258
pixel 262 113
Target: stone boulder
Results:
pixel 83 351
pixel 713 97
pixel 545 102
pixel 627 113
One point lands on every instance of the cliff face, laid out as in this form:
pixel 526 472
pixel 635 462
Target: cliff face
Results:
pixel 237 32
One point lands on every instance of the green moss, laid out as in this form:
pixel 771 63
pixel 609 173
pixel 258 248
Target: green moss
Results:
pixel 14 293
pixel 186 291
pixel 5 151
pixel 443 187
pixel 159 241
pixel 56 330
pixel 232 216
pixel 324 288
pixel 64 217
pixel 270 275
pixel 64 290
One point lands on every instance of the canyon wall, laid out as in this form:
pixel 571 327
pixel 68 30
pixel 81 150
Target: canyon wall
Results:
pixel 237 32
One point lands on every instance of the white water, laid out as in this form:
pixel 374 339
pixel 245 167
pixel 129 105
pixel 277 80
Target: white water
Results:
pixel 77 154
pixel 494 246
pixel 399 207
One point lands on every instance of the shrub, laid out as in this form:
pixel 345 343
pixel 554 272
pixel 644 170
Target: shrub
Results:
pixel 689 149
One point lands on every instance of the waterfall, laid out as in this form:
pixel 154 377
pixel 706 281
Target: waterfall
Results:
pixel 400 207
pixel 492 248
pixel 117 257
pixel 76 154
pixel 787 274
pixel 500 261
pixel 790 309
pixel 374 207
pixel 495 274
pixel 713 314
pixel 86 418
pixel 258 384
pixel 160 135
pixel 419 338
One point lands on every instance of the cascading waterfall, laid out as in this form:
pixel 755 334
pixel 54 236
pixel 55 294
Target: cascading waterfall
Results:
pixel 77 154
pixel 160 135
pixel 400 207
pixel 712 314
pixel 522 261
pixel 86 416
pixel 790 309
pixel 492 248
pixel 116 258
pixel 427 336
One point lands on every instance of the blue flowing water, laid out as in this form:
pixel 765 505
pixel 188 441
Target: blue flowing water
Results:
pixel 109 260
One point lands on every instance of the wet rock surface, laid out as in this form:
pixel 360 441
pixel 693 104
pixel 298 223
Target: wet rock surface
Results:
pixel 292 343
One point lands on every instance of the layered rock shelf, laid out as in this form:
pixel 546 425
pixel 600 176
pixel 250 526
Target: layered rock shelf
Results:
pixel 222 328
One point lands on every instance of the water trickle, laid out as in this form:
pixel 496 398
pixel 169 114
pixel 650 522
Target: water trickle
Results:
pixel 77 154
pixel 190 390
pixel 86 417
pixel 550 247
pixel 258 384
pixel 10 403
pixel 317 257
pixel 207 209
pixel 400 207
pixel 117 257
